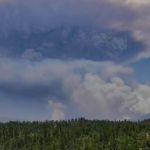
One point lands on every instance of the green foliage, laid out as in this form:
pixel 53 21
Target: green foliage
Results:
pixel 75 134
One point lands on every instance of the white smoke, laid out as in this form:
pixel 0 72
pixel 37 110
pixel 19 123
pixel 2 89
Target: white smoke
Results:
pixel 32 55
pixel 93 89
pixel 57 110
pixel 108 100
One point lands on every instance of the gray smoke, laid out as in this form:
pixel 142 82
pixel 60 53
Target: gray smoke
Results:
pixel 34 16
pixel 93 89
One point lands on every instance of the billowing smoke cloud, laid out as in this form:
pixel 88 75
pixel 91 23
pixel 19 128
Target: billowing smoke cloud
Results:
pixel 57 110
pixel 43 15
pixel 108 100
pixel 139 26
pixel 100 90
pixel 31 54
pixel 45 72
pixel 93 89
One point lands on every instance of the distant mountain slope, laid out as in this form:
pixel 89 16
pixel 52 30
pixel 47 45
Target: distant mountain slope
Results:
pixel 142 117
pixel 6 119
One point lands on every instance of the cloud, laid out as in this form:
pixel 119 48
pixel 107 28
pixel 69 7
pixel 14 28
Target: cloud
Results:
pixel 97 98
pixel 38 82
pixel 42 15
pixel 46 71
pixel 139 100
pixel 32 55
pixel 141 55
pixel 137 3
pixel 102 90
pixel 139 25
pixel 34 16
pixel 114 70
pixel 57 110
pixel 93 89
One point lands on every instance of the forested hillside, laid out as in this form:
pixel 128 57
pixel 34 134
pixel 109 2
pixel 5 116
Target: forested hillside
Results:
pixel 75 134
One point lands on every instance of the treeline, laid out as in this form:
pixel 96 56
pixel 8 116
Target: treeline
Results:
pixel 75 134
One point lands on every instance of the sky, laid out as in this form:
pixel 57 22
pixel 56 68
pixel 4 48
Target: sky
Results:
pixel 34 85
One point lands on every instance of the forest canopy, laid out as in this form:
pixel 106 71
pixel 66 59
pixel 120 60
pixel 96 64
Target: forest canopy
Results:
pixel 75 134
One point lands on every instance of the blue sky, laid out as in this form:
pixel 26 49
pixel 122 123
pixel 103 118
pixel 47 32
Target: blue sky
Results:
pixel 141 68
pixel 74 58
